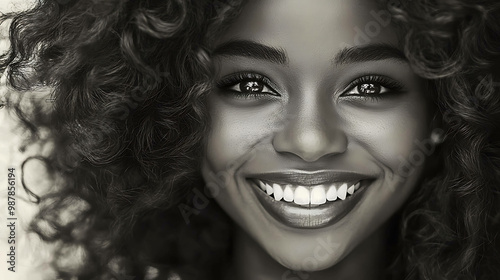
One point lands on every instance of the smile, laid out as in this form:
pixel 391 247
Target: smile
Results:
pixel 309 200
pixel 309 195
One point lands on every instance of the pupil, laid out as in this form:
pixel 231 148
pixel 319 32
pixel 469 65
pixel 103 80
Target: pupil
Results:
pixel 369 88
pixel 251 86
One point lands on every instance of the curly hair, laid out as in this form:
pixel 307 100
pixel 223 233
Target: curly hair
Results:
pixel 128 121
pixel 450 224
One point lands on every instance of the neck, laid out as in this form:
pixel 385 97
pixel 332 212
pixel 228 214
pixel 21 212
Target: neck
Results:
pixel 251 260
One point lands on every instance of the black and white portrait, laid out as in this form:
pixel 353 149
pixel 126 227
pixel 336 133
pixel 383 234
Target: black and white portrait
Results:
pixel 250 140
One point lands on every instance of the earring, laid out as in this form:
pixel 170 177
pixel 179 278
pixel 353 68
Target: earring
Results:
pixel 437 136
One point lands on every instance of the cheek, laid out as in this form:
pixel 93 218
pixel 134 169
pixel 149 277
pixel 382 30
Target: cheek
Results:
pixel 235 130
pixel 224 141
pixel 392 137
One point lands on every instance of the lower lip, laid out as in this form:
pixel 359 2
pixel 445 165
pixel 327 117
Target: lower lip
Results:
pixel 305 217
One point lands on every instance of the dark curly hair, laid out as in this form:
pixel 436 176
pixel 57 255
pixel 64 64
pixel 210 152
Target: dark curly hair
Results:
pixel 127 120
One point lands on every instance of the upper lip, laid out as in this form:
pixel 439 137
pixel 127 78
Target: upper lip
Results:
pixel 307 178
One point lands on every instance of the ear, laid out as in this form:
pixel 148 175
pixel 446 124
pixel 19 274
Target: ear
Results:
pixel 438 134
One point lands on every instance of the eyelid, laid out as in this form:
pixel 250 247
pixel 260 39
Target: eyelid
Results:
pixel 238 77
pixel 384 81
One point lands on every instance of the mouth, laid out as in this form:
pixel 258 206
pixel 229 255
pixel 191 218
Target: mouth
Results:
pixel 308 196
pixel 309 200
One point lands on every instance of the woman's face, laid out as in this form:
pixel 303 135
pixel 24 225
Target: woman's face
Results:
pixel 318 126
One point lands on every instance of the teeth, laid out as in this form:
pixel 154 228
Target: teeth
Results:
pixel 342 191
pixel 262 186
pixel 350 190
pixel 278 192
pixel 288 193
pixel 331 194
pixel 301 196
pixel 269 189
pixel 318 195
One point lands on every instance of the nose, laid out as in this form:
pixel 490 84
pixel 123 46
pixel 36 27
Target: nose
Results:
pixel 312 133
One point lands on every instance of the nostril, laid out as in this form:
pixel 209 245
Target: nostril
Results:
pixel 310 145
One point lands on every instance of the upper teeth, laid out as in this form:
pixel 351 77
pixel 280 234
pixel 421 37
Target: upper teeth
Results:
pixel 304 195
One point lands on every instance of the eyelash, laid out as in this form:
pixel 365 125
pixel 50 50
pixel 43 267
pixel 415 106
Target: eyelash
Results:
pixel 238 78
pixel 386 82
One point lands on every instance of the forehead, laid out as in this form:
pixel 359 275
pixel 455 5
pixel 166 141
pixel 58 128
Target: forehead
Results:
pixel 319 26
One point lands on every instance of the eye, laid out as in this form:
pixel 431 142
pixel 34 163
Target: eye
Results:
pixel 368 89
pixel 373 86
pixel 251 86
pixel 247 84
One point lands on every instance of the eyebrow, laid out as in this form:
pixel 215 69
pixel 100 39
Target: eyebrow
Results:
pixel 368 53
pixel 251 49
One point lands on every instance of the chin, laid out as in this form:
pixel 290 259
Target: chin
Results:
pixel 305 261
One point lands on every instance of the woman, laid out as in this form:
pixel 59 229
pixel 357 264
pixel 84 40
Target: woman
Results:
pixel 345 140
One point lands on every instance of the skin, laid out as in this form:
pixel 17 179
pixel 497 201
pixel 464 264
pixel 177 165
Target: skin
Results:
pixel 313 121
